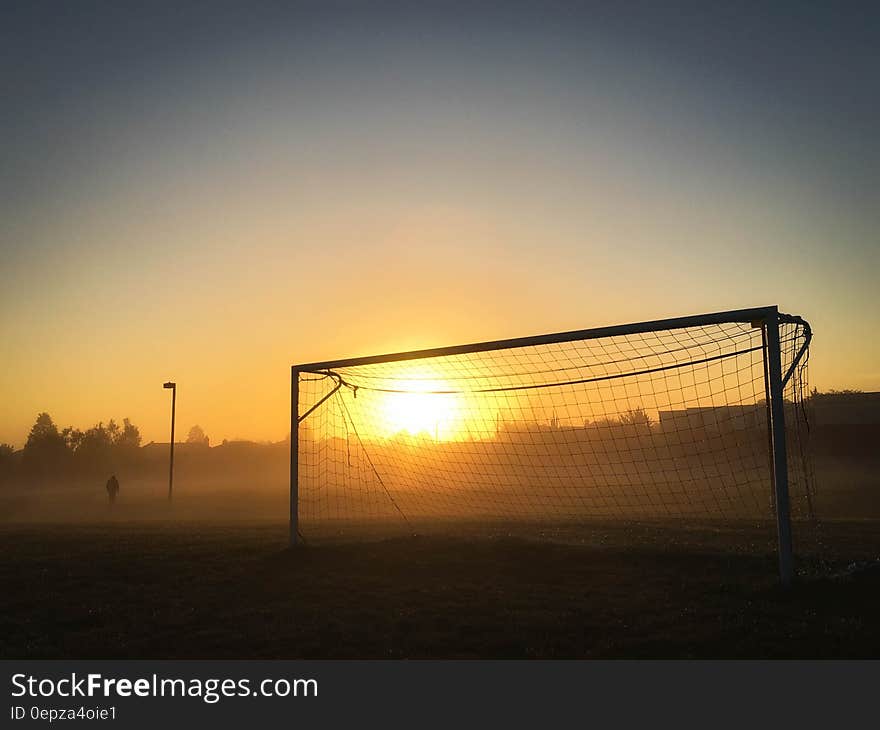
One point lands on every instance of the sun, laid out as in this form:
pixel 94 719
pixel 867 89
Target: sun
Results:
pixel 420 409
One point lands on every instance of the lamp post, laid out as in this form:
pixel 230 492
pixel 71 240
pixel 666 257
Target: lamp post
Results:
pixel 173 387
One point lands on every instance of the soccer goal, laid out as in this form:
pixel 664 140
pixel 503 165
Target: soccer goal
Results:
pixel 686 421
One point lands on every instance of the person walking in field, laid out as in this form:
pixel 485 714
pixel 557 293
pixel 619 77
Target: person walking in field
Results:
pixel 112 488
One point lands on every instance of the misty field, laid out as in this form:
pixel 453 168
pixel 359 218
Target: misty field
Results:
pixel 209 590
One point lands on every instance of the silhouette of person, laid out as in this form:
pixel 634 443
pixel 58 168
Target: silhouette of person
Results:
pixel 112 488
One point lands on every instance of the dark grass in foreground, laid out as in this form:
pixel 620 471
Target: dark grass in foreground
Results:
pixel 209 591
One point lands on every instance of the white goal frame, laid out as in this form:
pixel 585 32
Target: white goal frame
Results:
pixel 768 318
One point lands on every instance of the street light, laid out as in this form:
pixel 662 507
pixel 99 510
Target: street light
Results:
pixel 173 387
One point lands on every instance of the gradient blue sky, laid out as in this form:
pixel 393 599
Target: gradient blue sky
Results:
pixel 211 191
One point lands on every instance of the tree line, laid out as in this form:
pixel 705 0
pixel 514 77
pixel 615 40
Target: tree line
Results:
pixel 51 453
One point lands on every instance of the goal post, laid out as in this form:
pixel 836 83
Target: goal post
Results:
pixel 779 456
pixel 294 455
pixel 665 419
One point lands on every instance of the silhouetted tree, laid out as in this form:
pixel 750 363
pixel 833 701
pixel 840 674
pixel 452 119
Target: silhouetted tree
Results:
pixel 102 447
pixel 816 394
pixel 635 417
pixel 130 436
pixel 72 438
pixel 7 460
pixel 43 431
pixel 197 436
pixel 94 454
pixel 45 452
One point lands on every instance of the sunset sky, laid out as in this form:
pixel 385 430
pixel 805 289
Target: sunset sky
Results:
pixel 207 192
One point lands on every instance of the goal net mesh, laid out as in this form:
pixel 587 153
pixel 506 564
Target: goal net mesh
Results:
pixel 664 425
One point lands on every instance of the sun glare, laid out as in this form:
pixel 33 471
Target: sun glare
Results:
pixel 421 410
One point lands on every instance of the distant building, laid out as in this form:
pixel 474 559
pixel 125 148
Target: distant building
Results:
pixel 850 409
pixel 715 419
pixel 828 409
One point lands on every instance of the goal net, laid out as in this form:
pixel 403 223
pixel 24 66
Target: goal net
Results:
pixel 663 421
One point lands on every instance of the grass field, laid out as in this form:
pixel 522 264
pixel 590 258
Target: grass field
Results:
pixel 202 590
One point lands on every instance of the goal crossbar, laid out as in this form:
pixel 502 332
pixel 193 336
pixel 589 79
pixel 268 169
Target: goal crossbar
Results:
pixel 752 314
